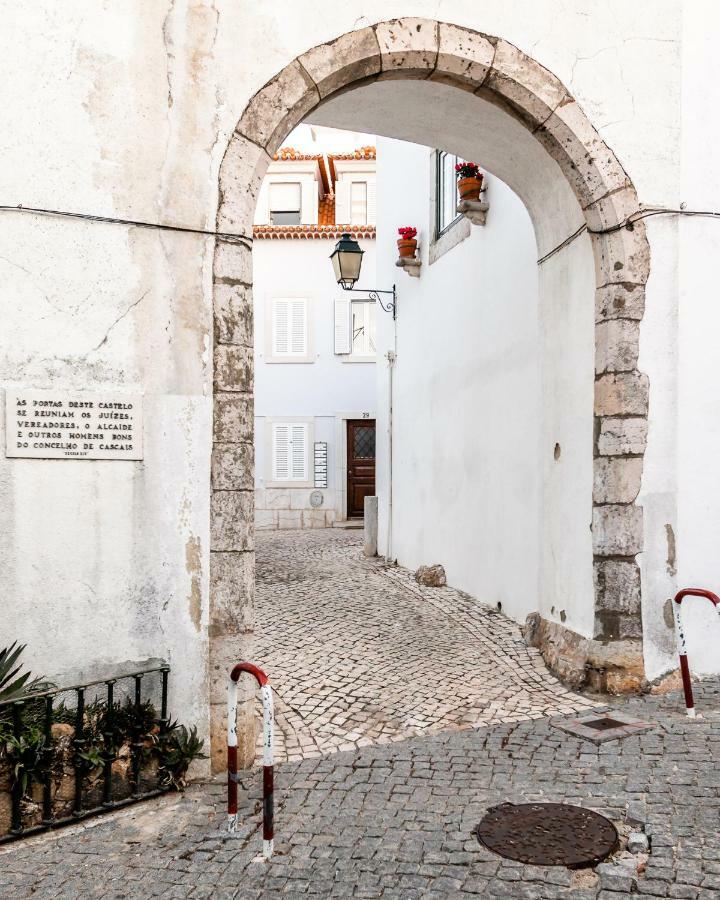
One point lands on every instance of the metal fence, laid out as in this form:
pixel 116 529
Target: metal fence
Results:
pixel 77 751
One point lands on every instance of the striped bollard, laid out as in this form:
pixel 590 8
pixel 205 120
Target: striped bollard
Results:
pixel 268 722
pixel 682 643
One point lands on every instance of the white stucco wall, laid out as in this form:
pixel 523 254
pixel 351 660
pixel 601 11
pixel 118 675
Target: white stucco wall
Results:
pixel 324 389
pixel 466 398
pixel 105 562
pixel 126 109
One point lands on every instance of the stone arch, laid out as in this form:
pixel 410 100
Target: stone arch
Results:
pixel 495 70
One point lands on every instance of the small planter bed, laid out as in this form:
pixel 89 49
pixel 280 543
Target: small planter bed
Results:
pixel 69 753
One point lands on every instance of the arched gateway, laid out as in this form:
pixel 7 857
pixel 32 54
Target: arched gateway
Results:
pixel 497 72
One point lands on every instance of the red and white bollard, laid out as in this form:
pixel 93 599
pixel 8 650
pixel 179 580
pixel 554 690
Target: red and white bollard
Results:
pixel 268 722
pixel 682 643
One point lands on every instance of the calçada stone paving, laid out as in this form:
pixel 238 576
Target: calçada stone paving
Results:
pixel 420 758
pixel 396 821
pixel 359 653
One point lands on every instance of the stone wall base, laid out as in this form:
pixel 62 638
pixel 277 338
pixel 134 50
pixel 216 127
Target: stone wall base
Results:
pixel 616 667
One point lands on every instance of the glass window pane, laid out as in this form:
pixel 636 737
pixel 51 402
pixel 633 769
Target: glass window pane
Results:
pixel 364 442
pixel 285 200
pixel 447 196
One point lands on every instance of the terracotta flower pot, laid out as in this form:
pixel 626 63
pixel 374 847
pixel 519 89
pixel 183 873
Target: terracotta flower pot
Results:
pixel 407 248
pixel 469 188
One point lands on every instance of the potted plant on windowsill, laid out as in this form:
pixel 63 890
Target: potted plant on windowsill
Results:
pixel 470 180
pixel 407 245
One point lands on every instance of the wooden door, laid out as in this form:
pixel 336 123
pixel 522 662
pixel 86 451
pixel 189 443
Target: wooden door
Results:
pixel 360 465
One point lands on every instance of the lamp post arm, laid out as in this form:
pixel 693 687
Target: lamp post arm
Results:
pixel 374 294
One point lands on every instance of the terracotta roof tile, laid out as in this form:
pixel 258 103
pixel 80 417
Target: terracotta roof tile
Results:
pixel 312 232
pixel 361 153
pixel 326 210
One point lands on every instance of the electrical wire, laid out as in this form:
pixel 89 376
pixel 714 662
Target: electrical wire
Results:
pixel 242 238
pixel 109 220
pixel 628 223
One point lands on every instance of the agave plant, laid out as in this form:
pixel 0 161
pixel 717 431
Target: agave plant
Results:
pixel 178 750
pixel 13 685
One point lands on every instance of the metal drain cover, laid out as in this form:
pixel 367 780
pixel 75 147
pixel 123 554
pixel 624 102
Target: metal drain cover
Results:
pixel 604 724
pixel 599 727
pixel 548 834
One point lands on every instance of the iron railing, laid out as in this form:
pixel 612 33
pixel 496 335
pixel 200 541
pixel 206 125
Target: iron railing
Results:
pixel 40 708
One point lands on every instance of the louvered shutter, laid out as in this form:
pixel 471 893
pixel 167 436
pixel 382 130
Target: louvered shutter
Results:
pixel 298 327
pixel 281 452
pixel 342 203
pixel 289 327
pixel 281 327
pixel 371 202
pixel 298 452
pixel 262 209
pixel 343 343
pixel 309 215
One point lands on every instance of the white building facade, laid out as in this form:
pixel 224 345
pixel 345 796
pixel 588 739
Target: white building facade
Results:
pixel 315 345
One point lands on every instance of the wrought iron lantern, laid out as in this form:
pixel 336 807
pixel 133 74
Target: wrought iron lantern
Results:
pixel 347 259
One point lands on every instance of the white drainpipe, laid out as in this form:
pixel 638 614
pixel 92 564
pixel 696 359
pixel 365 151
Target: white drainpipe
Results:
pixel 391 356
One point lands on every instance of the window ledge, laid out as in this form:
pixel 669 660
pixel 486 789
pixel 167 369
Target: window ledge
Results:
pixel 282 360
pixel 455 234
pixel 348 358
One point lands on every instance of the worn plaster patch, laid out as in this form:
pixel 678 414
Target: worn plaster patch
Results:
pixel 671 556
pixel 193 565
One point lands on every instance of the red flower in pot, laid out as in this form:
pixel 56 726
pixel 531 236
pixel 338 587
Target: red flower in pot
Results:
pixel 407 245
pixel 470 180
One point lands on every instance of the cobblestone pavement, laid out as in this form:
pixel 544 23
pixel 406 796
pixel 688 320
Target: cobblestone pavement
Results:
pixel 396 821
pixel 359 653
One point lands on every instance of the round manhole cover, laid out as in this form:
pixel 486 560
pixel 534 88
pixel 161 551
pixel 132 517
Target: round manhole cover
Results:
pixel 548 834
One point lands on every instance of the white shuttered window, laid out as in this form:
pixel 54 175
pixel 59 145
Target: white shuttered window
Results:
pixel 289 327
pixel 355 202
pixel 285 200
pixel 358 203
pixel 290 451
pixel 343 324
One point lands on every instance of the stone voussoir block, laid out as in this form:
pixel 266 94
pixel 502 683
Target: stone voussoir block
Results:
pixel 233 418
pixel 351 57
pixel 621 394
pixel 617 530
pixel 232 585
pixel 617 585
pixel 621 437
pixel 278 107
pixel 233 368
pixel 532 91
pixel 408 46
pixel 464 57
pixel 241 173
pixel 612 209
pixel 622 255
pixel 233 314
pixel 231 518
pixel 617 345
pixel 616 479
pixel 623 300
pixel 233 467
pixel 589 165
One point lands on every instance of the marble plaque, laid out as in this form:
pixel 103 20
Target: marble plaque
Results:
pixel 68 425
